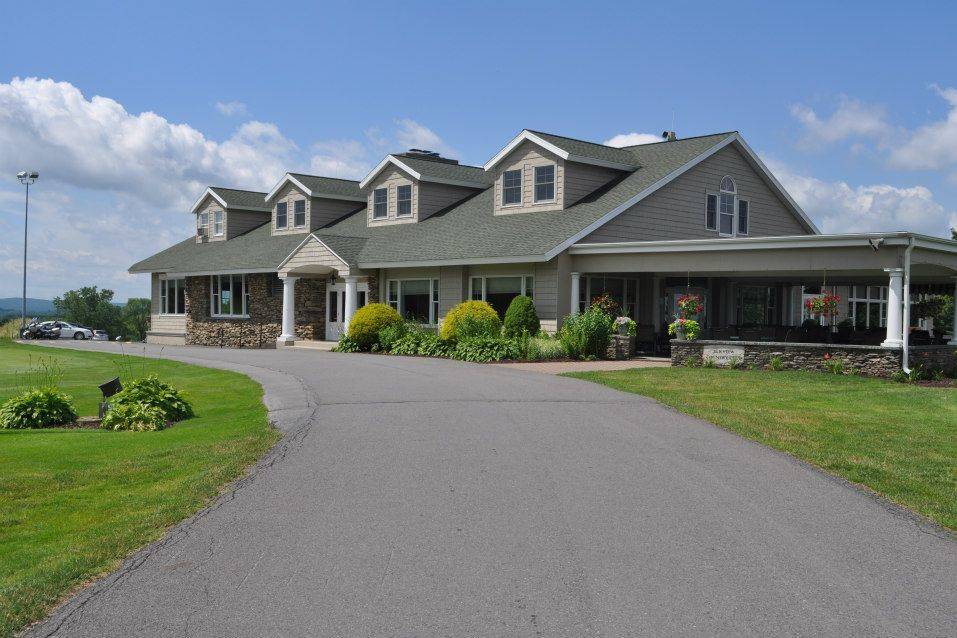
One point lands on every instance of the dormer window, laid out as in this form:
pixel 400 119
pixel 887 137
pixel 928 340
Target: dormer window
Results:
pixel 380 203
pixel 218 223
pixel 545 183
pixel 512 187
pixel 202 221
pixel 282 218
pixel 403 200
pixel 299 213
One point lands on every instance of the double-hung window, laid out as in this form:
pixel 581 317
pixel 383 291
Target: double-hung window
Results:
pixel 403 200
pixel 172 296
pixel 512 187
pixel 545 183
pixel 299 213
pixel 229 296
pixel 725 212
pixel 499 291
pixel 743 209
pixel 415 299
pixel 202 221
pixel 380 203
pixel 218 223
pixel 281 216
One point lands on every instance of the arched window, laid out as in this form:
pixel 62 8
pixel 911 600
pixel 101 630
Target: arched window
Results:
pixel 727 185
pixel 725 211
pixel 726 207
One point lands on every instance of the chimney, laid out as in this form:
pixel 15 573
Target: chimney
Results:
pixel 669 136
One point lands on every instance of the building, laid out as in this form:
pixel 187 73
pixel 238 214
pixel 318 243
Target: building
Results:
pixel 559 219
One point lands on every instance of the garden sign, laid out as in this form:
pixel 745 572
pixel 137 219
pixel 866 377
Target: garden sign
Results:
pixel 722 355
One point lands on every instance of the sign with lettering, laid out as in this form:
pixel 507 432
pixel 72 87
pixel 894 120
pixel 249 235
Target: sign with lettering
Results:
pixel 723 355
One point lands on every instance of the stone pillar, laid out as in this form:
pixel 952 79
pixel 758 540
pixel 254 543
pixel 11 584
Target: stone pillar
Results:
pixel 288 335
pixel 576 292
pixel 895 320
pixel 953 327
pixel 351 289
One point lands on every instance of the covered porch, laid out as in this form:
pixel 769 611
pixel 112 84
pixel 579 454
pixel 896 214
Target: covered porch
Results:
pixel 754 289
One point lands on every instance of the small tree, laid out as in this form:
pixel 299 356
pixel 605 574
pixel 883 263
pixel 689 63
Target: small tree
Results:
pixel 90 307
pixel 135 319
pixel 521 318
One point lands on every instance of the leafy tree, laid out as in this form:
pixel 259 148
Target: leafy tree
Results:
pixel 89 307
pixel 135 319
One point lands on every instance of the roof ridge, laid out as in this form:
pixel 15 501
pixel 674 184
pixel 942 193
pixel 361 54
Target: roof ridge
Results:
pixel 241 190
pixel 574 139
pixel 437 161
pixel 681 139
pixel 341 179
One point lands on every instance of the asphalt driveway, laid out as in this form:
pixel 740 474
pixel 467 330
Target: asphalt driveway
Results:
pixel 418 497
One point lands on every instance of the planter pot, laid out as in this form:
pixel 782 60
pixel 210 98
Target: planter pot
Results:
pixel 680 334
pixel 623 329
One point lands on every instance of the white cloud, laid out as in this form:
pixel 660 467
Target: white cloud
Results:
pixel 411 134
pixel 838 207
pixel 229 109
pixel 96 144
pixel 851 119
pixel 350 159
pixel 932 146
pixel 632 139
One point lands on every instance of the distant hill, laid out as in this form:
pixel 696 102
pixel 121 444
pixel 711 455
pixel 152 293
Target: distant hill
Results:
pixel 11 306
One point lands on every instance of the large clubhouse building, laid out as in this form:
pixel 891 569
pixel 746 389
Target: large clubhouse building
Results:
pixel 558 219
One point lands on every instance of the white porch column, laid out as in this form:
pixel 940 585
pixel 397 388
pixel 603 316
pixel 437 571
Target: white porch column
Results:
pixel 576 292
pixel 351 290
pixel 953 328
pixel 288 311
pixel 895 320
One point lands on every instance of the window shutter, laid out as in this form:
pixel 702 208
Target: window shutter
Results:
pixel 743 210
pixel 711 213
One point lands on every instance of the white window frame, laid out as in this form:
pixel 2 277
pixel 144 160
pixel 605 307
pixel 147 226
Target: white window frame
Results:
pixel 523 276
pixel 202 222
pixel 399 201
pixel 735 209
pixel 881 300
pixel 176 284
pixel 214 304
pixel 218 225
pixel 521 195
pixel 554 181
pixel 397 302
pixel 384 202
pixel 285 216
pixel 296 214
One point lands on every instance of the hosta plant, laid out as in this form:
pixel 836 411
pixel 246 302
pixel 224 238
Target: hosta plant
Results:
pixel 37 408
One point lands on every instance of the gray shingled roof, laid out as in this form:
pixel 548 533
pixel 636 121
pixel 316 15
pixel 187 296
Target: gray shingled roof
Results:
pixel 444 170
pixel 235 198
pixel 466 230
pixel 329 185
pixel 592 150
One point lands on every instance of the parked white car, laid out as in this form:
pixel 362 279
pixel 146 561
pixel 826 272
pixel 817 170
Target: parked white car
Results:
pixel 70 331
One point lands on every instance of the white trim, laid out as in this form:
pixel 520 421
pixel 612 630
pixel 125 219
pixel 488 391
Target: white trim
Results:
pixel 242 298
pixel 554 183
pixel 399 215
pixel 395 161
pixel 527 135
pixel 374 203
pixel 294 224
pixel 221 222
pixel 433 282
pixel 287 178
pixel 321 243
pixel 506 275
pixel 452 262
pixel 204 273
pixel 209 192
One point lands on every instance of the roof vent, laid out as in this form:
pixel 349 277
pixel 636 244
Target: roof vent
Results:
pixel 669 136
pixel 421 153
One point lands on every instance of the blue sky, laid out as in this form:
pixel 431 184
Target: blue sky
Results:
pixel 854 107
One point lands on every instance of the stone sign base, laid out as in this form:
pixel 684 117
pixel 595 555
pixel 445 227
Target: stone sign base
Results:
pixel 868 360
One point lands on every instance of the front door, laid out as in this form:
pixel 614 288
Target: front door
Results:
pixel 336 308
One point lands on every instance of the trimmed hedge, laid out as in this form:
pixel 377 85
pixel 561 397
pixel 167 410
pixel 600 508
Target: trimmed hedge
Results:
pixel 368 321
pixel 471 319
pixel 521 318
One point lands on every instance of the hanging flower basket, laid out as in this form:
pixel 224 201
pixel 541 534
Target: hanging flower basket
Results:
pixel 689 306
pixel 823 306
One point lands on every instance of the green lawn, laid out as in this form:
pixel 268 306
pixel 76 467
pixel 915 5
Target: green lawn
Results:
pixel 73 503
pixel 898 440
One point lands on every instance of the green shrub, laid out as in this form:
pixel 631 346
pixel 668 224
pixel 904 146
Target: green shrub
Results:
pixel 37 408
pixel 346 345
pixel 471 319
pixel 834 366
pixel 150 391
pixel 776 364
pixel 521 318
pixel 546 349
pixel 137 417
pixel 392 333
pixel 708 362
pixel 486 349
pixel 368 321
pixel 587 335
pixel 422 343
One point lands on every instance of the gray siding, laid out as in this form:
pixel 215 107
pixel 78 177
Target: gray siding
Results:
pixel 434 197
pixel 677 210
pixel 583 179
pixel 235 222
pixel 322 211
pixel 546 284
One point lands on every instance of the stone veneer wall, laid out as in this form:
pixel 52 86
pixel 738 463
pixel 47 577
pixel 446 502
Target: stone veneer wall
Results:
pixel 868 360
pixel 264 324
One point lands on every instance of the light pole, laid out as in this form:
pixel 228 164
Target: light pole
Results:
pixel 26 178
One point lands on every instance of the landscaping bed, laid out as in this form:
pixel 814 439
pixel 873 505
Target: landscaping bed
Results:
pixel 75 501
pixel 898 440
